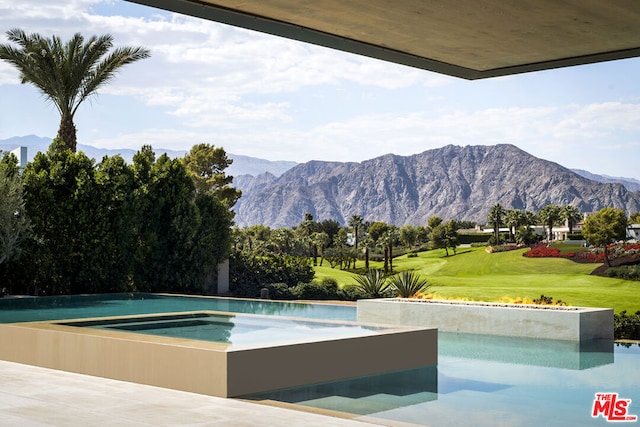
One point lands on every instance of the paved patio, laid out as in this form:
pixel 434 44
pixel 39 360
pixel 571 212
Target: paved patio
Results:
pixel 32 396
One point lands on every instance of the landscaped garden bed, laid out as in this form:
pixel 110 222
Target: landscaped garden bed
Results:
pixel 619 254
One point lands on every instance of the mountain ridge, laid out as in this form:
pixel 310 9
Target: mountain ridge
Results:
pixel 451 182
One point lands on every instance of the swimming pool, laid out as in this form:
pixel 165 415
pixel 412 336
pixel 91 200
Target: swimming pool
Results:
pixel 479 380
pixel 488 381
pixel 106 305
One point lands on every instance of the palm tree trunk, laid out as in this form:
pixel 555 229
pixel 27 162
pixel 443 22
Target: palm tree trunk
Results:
pixel 67 132
pixel 366 258
pixel 386 259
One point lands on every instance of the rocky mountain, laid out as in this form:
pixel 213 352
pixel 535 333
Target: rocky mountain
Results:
pixel 630 183
pixel 241 164
pixel 451 182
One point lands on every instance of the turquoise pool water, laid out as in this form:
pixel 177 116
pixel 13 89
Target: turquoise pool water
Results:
pixel 84 306
pixel 489 381
pixel 479 380
pixel 239 329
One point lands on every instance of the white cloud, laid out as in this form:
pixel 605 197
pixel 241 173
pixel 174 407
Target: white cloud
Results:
pixel 599 120
pixel 26 10
pixel 270 97
pixel 205 72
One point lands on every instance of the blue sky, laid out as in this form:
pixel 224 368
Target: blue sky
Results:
pixel 268 97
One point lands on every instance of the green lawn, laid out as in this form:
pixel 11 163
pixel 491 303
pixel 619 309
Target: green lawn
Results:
pixel 476 275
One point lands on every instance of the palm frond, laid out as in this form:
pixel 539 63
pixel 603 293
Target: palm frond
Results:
pixel 66 73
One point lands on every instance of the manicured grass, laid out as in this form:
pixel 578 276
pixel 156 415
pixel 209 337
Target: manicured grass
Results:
pixel 568 247
pixel 474 274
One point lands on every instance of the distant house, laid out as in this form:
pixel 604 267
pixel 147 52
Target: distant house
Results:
pixel 633 232
pixel 21 154
pixel 560 232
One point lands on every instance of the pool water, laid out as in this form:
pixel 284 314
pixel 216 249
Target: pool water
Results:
pixel 85 306
pixel 489 381
pixel 479 380
pixel 239 329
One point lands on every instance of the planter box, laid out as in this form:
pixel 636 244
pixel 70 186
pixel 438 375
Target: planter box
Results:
pixel 517 320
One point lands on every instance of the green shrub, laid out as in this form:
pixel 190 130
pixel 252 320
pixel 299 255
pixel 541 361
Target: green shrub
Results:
pixel 351 293
pixel 280 291
pixel 504 248
pixel 625 326
pixel 316 291
pixel 373 284
pixel 575 236
pixel 466 238
pixel 408 283
pixel 329 281
pixel 504 238
pixel 627 272
pixel 249 273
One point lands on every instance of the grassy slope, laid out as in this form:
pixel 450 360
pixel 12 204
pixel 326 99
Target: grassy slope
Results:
pixel 476 275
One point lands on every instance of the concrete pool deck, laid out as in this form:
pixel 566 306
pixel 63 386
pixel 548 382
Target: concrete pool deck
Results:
pixel 33 396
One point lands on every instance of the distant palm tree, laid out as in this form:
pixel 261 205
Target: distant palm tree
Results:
pixel 550 215
pixel 572 215
pixel 495 218
pixel 356 223
pixel 513 220
pixel 68 73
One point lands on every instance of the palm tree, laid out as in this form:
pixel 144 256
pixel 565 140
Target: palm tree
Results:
pixel 319 239
pixel 495 218
pixel 525 234
pixel 513 220
pixel 572 215
pixel 550 215
pixel 68 73
pixel 356 223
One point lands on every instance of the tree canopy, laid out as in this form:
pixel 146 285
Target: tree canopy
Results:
pixel 604 227
pixel 207 165
pixel 114 227
pixel 15 227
